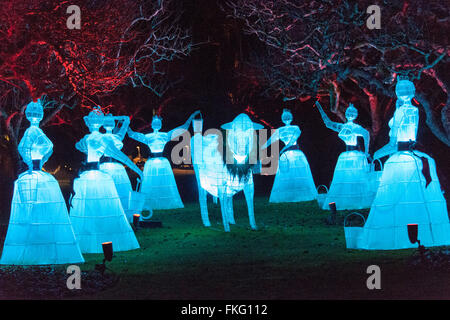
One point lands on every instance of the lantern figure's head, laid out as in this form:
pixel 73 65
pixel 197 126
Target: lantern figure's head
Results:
pixel 34 112
pixel 156 123
pixel 351 113
pixel 286 117
pixel 94 120
pixel 405 89
pixel 109 123
pixel 240 136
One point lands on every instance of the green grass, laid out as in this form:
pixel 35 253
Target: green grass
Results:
pixel 294 254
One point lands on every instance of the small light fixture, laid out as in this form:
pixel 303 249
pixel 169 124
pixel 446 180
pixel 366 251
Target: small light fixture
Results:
pixel 136 218
pixel 332 206
pixel 413 231
pixel 107 254
pixel 107 251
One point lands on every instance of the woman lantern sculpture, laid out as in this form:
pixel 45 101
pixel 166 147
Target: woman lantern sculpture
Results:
pixel 158 183
pixel 96 211
pixel 293 181
pixel 409 190
pixel 39 230
pixel 351 186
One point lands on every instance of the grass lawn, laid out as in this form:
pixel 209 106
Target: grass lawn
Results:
pixel 294 254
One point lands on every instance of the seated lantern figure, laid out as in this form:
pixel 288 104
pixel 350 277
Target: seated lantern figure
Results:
pixel 96 211
pixel 111 166
pixel 293 181
pixel 225 180
pixel 351 187
pixel 39 231
pixel 409 190
pixel 159 184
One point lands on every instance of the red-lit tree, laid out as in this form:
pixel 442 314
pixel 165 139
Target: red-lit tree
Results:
pixel 324 48
pixel 120 42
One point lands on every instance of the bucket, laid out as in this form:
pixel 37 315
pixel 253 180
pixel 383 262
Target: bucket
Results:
pixel 136 202
pixel 353 234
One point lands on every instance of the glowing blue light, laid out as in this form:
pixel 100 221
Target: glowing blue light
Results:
pixel 293 181
pixel 39 230
pixel 352 185
pixel 213 175
pixel 96 211
pixel 408 193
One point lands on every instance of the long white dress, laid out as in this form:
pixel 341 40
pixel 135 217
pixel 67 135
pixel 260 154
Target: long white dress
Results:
pixel 39 230
pixel 96 211
pixel 293 181
pixel 158 184
pixel 405 196
pixel 351 185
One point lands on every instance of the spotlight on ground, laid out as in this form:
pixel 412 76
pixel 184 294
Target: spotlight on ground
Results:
pixel 332 218
pixel 413 231
pixel 107 254
pixel 136 218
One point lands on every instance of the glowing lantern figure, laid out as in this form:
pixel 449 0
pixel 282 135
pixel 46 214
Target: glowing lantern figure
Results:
pixel 112 167
pixel 158 183
pixel 39 230
pixel 96 211
pixel 293 181
pixel 351 187
pixel 225 180
pixel 199 158
pixel 409 190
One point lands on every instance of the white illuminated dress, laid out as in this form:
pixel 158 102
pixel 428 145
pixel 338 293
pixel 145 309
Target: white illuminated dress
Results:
pixel 111 166
pixel 39 231
pixel 158 183
pixel 409 190
pixel 96 211
pixel 293 181
pixel 351 187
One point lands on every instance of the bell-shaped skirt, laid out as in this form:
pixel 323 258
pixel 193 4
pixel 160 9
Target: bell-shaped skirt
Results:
pixel 293 181
pixel 39 231
pixel 403 198
pixel 97 215
pixel 159 185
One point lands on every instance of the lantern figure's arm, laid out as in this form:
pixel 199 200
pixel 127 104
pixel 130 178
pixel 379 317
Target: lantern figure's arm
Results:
pixel 172 134
pixel 272 139
pixel 366 136
pixel 112 151
pixel 81 145
pixel 335 126
pixel 137 136
pixel 124 127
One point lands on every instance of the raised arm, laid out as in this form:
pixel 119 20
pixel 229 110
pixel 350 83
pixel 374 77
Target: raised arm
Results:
pixel 335 126
pixel 81 145
pixel 112 151
pixel 137 136
pixel 124 127
pixel 366 136
pixel 181 129
pixel 272 139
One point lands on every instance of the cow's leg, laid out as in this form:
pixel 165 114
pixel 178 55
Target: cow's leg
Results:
pixel 249 192
pixel 230 212
pixel 202 198
pixel 223 208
